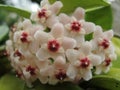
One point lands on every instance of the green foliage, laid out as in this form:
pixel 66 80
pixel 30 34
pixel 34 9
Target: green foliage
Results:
pixel 10 82
pixel 3 33
pixel 20 12
pixel 101 16
pixel 116 43
pixel 62 86
pixel 109 81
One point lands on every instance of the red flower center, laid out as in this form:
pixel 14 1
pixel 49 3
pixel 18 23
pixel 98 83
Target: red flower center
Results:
pixel 75 26
pixel 42 13
pixel 107 62
pixel 18 74
pixel 84 63
pixel 61 75
pixel 31 70
pixel 53 45
pixel 17 53
pixel 23 37
pixel 105 43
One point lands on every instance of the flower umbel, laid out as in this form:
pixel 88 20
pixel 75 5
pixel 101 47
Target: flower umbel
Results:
pixel 61 54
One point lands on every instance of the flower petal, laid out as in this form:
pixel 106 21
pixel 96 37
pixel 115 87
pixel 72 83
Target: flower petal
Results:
pixel 60 62
pixel 87 74
pixel 57 30
pixel 71 72
pixel 79 13
pixel 109 34
pixel 95 59
pixel 98 32
pixel 72 55
pixel 79 39
pixel 88 27
pixel 42 37
pixel 55 7
pixel 34 46
pixel 51 21
pixel 64 19
pixel 68 43
pixel 42 54
pixel 86 47
pixel 44 2
pixel 98 69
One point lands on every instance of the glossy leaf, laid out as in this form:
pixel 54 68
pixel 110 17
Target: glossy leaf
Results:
pixel 116 43
pixel 3 32
pixel 20 12
pixel 109 81
pixel 101 16
pixel 10 82
pixel 62 86
pixel 70 5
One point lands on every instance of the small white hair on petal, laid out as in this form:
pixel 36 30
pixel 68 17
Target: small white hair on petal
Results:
pixel 95 59
pixel 98 32
pixel 34 16
pixel 27 23
pixel 89 27
pixel 87 75
pixel 51 21
pixel 64 18
pixel 60 61
pixel 68 43
pixel 42 37
pixel 16 36
pixel 109 34
pixel 44 2
pixel 71 72
pixel 86 47
pixel 57 30
pixel 72 55
pixel 55 7
pixel 79 13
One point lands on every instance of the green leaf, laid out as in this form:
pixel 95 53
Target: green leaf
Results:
pixel 10 82
pixel 116 43
pixel 4 65
pixel 71 5
pixel 62 86
pixel 101 16
pixel 3 32
pixel 97 11
pixel 2 47
pixel 20 12
pixel 109 81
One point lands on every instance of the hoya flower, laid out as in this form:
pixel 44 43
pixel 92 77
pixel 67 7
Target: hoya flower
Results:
pixel 47 12
pixel 104 66
pixel 51 44
pixel 75 26
pixel 102 42
pixel 82 61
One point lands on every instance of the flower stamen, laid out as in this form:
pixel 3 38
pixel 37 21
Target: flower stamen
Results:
pixel 61 75
pixel 23 37
pixel 84 63
pixel 75 26
pixel 105 43
pixel 42 13
pixel 107 62
pixel 53 45
pixel 31 70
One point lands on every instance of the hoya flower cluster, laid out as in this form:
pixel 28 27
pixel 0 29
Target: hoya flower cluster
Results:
pixel 52 47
